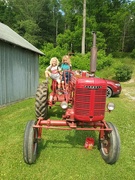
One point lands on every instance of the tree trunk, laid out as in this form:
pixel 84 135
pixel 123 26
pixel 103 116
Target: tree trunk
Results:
pixel 84 27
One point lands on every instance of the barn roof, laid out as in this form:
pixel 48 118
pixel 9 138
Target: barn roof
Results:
pixel 7 34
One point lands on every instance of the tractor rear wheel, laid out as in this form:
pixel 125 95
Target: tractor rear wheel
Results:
pixel 41 104
pixel 110 146
pixel 30 143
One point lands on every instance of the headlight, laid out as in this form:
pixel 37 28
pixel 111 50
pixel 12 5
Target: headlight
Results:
pixel 64 105
pixel 117 85
pixel 110 106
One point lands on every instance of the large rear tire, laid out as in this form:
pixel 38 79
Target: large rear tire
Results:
pixel 30 143
pixel 41 104
pixel 110 146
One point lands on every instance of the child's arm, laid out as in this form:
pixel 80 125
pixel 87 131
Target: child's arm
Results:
pixel 59 70
pixel 48 68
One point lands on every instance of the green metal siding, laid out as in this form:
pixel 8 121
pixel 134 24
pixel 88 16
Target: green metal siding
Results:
pixel 18 73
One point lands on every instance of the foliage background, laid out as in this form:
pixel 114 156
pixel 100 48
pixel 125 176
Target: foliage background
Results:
pixel 60 22
pixel 55 27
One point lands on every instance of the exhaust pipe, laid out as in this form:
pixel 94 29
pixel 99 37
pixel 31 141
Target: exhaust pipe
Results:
pixel 93 56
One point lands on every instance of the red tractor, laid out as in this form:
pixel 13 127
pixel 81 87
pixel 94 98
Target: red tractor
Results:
pixel 84 104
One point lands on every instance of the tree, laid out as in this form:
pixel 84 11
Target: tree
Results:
pixel 7 15
pixel 37 21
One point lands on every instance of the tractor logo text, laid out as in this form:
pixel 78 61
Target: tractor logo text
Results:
pixel 93 87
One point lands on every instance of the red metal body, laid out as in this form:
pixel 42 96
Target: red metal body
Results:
pixel 69 125
pixel 90 99
pixel 86 97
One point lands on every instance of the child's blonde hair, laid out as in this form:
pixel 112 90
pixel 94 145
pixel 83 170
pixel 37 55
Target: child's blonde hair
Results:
pixel 66 57
pixel 54 58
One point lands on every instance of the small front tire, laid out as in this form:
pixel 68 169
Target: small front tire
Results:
pixel 110 146
pixel 30 143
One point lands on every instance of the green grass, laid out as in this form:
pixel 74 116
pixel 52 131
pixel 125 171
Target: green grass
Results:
pixel 62 154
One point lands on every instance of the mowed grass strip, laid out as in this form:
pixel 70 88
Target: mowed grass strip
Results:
pixel 61 153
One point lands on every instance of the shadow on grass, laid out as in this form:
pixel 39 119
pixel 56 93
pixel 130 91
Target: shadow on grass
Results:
pixel 116 96
pixel 76 140
pixel 55 112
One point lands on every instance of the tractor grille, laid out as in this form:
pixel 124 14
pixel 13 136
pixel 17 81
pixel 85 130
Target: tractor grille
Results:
pixel 90 103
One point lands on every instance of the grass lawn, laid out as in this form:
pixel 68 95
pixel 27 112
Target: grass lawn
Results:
pixel 61 153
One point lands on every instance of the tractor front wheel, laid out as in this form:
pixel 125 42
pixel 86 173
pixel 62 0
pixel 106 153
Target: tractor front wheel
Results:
pixel 30 143
pixel 110 146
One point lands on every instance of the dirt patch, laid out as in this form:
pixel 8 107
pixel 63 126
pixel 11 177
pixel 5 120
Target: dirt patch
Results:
pixel 130 81
pixel 128 94
pixel 129 91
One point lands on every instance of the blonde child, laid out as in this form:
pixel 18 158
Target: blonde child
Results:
pixel 52 71
pixel 65 66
